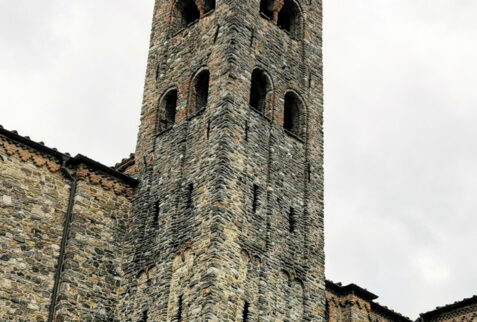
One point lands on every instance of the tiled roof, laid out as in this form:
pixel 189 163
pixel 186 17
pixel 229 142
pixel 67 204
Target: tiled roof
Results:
pixel 367 296
pixel 351 289
pixel 449 307
pixel 66 158
pixel 125 163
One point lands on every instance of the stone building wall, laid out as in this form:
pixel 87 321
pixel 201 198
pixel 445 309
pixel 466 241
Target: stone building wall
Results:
pixel 33 201
pixel 352 303
pixel 63 221
pixel 178 191
pixel 226 221
pixel 211 236
pixel 91 280
pixel 285 169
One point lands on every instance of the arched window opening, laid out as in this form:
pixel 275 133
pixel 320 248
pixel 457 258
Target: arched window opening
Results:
pixel 289 18
pixel 292 110
pixel 201 87
pixel 258 91
pixel 209 5
pixel 266 8
pixel 170 109
pixel 188 10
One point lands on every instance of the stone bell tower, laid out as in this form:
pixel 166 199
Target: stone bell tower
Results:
pixel 228 217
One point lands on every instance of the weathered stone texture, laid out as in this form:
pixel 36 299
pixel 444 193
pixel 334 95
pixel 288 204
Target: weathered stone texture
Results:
pixel 352 303
pixel 240 250
pixel 33 202
pixel 225 219
pixel 36 187
pixel 91 280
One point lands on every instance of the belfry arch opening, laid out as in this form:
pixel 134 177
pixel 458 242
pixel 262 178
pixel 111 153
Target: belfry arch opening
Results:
pixel 259 88
pixel 188 10
pixel 201 90
pixel 209 5
pixel 285 13
pixel 292 114
pixel 289 18
pixel 266 8
pixel 168 110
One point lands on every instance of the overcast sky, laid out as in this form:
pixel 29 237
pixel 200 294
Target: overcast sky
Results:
pixel 400 124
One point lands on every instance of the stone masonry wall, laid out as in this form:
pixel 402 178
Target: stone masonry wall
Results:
pixel 286 169
pixel 35 192
pixel 353 304
pixel 90 283
pixel 226 223
pixel 171 236
pixel 198 251
pixel 33 201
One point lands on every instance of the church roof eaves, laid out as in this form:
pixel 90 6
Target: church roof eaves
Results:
pixel 66 157
pixel 449 307
pixel 376 307
pixel 367 296
pixel 125 163
pixel 351 289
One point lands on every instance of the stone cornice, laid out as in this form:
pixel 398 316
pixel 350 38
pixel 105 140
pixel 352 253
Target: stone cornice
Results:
pixel 87 169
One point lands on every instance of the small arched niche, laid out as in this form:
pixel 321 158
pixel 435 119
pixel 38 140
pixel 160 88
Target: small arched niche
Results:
pixel 188 10
pixel 201 90
pixel 293 114
pixel 259 88
pixel 168 110
pixel 289 18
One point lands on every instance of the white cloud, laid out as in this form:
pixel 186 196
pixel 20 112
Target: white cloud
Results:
pixel 432 269
pixel 79 68
pixel 400 149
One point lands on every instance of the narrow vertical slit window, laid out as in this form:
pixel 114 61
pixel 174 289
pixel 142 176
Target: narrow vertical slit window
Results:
pixel 201 87
pixel 216 36
pixel 246 131
pixel 245 312
pixel 144 316
pixel 291 220
pixel 158 71
pixel 255 198
pixel 156 211
pixel 208 129
pixel 252 38
pixel 258 90
pixel 190 190
pixel 179 309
